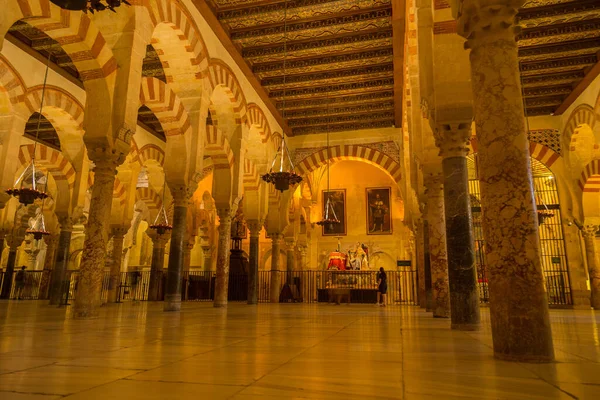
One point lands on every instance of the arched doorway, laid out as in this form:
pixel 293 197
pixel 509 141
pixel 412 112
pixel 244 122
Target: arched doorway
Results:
pixel 552 244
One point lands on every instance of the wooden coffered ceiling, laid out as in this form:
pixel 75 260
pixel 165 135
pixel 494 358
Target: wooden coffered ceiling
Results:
pixel 343 58
pixel 558 52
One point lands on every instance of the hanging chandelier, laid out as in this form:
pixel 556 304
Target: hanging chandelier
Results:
pixel 281 178
pixel 26 186
pixel 38 230
pixel 329 219
pixel 90 5
pixel 161 222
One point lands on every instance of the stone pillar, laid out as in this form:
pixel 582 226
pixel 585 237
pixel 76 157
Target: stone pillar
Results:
pixel 61 261
pixel 207 254
pixel 91 270
pixel 157 265
pixel 437 245
pixel 14 242
pixel 578 275
pixel 223 249
pixel 118 234
pixel 187 252
pixel 51 242
pixel 591 253
pixel 303 261
pixel 427 268
pixel 275 274
pixel 254 227
pixel 175 271
pixel 518 302
pixel 420 257
pixel 290 253
pixel 453 138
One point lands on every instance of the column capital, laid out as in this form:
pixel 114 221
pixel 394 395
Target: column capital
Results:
pixel 275 236
pixel 589 231
pixel 254 226
pixel 290 243
pixel 66 223
pixel 480 21
pixel 119 231
pixel 181 194
pixel 225 215
pixel 433 179
pixel 105 159
pixel 14 241
pixel 51 240
pixel 452 138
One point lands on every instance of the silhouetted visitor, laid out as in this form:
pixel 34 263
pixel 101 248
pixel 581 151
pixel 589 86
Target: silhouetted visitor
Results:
pixel 19 283
pixel 381 287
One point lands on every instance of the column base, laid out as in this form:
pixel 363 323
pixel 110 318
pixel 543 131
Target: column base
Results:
pixel 172 303
pixel 252 302
pixel 219 305
pixel 86 314
pixel 524 358
pixel 441 316
pixel 465 327
pixel 581 299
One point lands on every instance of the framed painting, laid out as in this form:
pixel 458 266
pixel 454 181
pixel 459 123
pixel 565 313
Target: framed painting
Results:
pixel 379 211
pixel 337 199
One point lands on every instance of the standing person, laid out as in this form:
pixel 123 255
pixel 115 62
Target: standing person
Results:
pixel 381 287
pixel 20 283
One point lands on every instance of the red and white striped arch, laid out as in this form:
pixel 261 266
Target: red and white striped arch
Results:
pixel 149 197
pixel 11 82
pixel 217 147
pixel 52 160
pixel 543 154
pixel 56 98
pixel 166 106
pixel 257 117
pixel 251 178
pixel 220 74
pixel 75 32
pixel 351 152
pixel 152 152
pixel 589 180
pixel 583 114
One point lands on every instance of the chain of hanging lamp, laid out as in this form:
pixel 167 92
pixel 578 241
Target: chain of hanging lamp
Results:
pixel 282 179
pixel 329 219
pixel 161 222
pixel 90 5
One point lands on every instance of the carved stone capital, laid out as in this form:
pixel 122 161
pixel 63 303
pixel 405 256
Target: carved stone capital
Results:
pixel 105 160
pixel 66 223
pixel 119 231
pixel 275 236
pixel 434 184
pixel 14 241
pixel 181 194
pixel 158 240
pixel 482 21
pixel 453 138
pixel 290 243
pixel 589 231
pixel 254 226
pixel 225 215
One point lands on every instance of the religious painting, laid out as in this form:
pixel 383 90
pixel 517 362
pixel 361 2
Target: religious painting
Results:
pixel 337 206
pixel 379 211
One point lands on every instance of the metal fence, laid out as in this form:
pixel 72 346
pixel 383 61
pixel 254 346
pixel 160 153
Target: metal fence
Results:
pixel 295 286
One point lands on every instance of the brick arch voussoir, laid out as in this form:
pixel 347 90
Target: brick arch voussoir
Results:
pixel 220 74
pixel 593 168
pixel 11 81
pixel 166 106
pixel 218 148
pixel 251 177
pixel 152 152
pixel 583 114
pixel 150 197
pixel 57 165
pixel 543 154
pixel 351 152
pixel 176 14
pixel 76 32
pixel 257 117
pixel 57 98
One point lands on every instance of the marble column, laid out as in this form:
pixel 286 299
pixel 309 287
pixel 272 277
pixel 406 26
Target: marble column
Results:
pixel 427 268
pixel 290 253
pixel 176 251
pixel 114 280
pixel 420 256
pixel 51 242
pixel 223 250
pixel 14 242
pixel 275 274
pixel 591 253
pixel 61 260
pixel 207 254
pixel 91 270
pixel 518 302
pixel 254 227
pixel 437 245
pixel 157 266
pixel 187 252
pixel 452 138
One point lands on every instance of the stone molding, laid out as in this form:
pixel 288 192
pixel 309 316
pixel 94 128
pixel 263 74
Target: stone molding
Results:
pixel 453 138
pixel 480 21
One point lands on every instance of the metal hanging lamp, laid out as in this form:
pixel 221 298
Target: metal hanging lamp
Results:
pixel 90 5
pixel 25 188
pixel 329 218
pixel 282 179
pixel 161 222
pixel 38 230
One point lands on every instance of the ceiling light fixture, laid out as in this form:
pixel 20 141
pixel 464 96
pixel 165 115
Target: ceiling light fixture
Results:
pixel 161 222
pixel 282 179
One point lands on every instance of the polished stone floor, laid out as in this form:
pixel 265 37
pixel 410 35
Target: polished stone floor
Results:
pixel 136 351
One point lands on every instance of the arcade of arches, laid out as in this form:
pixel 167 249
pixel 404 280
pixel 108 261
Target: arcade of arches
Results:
pixel 462 159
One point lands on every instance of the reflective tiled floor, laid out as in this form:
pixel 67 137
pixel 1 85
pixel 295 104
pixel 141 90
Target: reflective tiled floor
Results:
pixel 136 351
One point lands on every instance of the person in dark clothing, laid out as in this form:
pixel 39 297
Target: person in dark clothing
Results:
pixel 381 287
pixel 19 283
